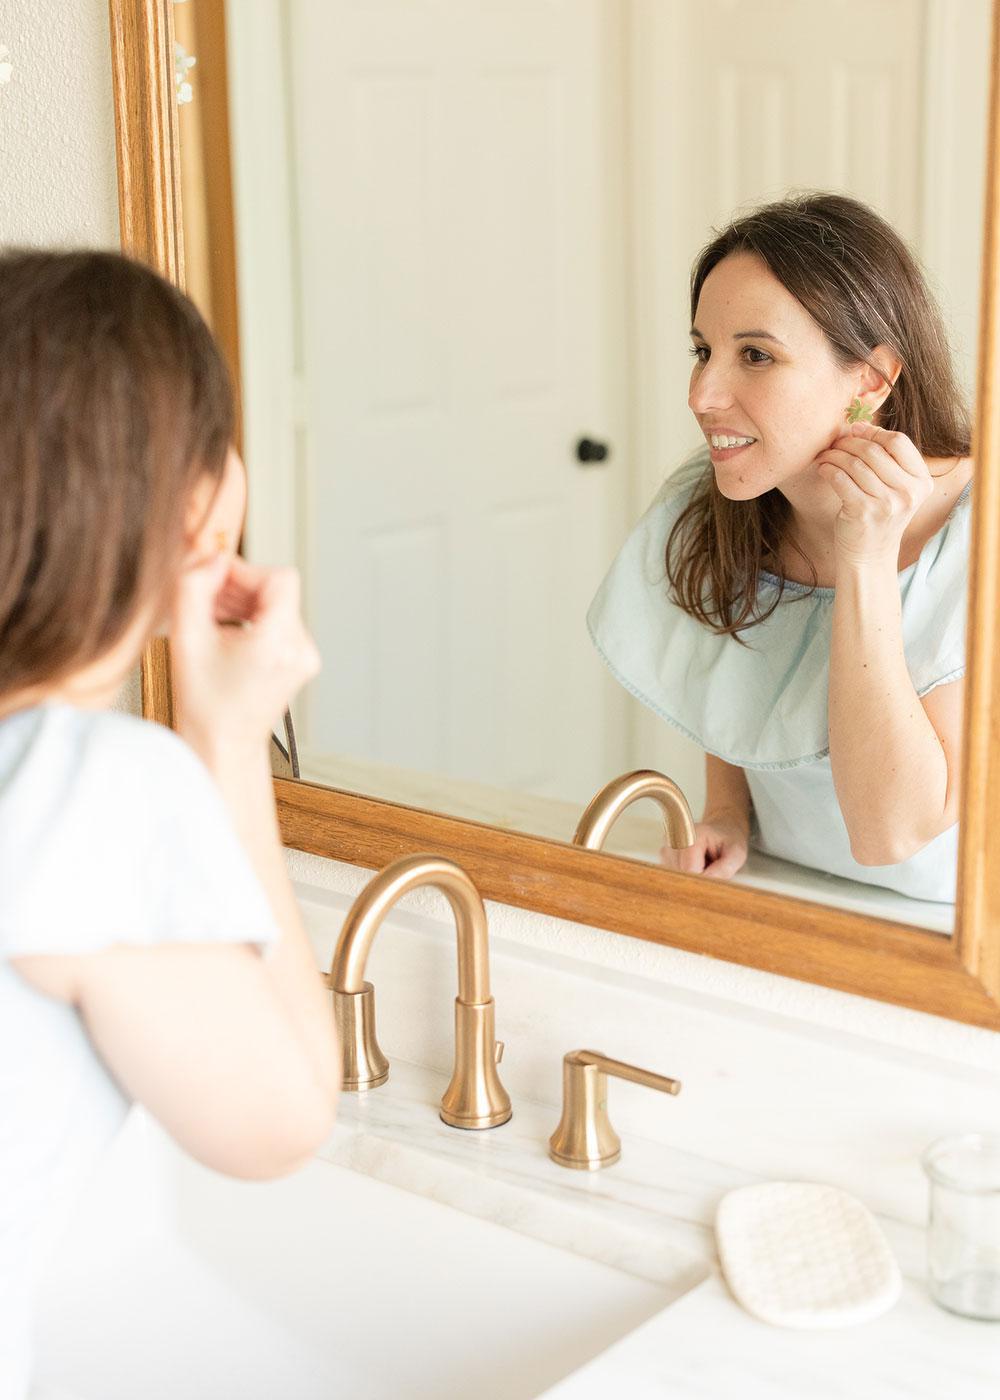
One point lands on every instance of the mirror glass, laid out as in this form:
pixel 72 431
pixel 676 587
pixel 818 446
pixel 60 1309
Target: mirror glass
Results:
pixel 448 250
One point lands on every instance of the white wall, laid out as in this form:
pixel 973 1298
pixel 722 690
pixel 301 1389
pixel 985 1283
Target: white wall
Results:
pixel 57 140
pixel 57 183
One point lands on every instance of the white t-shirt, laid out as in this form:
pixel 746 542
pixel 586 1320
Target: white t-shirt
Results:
pixel 112 831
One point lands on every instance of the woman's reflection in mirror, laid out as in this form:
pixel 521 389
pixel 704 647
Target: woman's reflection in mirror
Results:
pixel 794 597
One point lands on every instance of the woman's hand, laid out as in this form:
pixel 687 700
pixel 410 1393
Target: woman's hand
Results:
pixel 240 651
pixel 882 481
pixel 720 849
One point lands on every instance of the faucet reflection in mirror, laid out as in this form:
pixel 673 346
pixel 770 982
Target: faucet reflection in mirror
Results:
pixel 612 800
pixel 475 1098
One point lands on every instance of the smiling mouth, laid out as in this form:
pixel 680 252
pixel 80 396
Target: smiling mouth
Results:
pixel 723 454
pixel 724 441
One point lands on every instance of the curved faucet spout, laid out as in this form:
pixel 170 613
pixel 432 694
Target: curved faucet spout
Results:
pixel 388 887
pixel 605 809
pixel 475 1098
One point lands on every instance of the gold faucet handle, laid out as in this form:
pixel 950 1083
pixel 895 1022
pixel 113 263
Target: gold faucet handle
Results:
pixel 585 1138
pixel 621 1070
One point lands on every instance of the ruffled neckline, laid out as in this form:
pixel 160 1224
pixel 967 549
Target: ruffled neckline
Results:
pixel 793 586
pixel 763 704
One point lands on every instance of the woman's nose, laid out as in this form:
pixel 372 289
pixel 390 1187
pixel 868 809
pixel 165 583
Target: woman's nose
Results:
pixel 709 390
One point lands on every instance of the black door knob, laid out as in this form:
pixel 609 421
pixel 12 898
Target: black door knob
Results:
pixel 587 450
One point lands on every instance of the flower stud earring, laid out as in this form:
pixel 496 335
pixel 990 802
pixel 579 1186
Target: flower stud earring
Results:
pixel 858 412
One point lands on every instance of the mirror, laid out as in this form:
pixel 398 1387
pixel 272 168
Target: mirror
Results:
pixel 449 255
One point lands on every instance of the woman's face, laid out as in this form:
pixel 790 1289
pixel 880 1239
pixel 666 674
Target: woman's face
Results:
pixel 779 384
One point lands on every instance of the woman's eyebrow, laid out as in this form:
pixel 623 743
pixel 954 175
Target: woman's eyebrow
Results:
pixel 746 335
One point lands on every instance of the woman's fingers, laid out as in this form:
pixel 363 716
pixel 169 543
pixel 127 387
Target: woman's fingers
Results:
pixel 842 467
pixel 715 852
pixel 279 626
pixel 226 589
pixel 270 599
pixel 876 472
pixel 902 449
pixel 239 678
pixel 239 598
pixel 689 860
pixel 731 860
pixel 193 603
pixel 279 597
pixel 873 462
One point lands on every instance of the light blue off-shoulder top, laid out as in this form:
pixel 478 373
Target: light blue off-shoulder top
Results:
pixel 763 706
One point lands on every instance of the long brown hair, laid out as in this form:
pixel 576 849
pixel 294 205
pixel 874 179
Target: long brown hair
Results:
pixel 863 287
pixel 114 401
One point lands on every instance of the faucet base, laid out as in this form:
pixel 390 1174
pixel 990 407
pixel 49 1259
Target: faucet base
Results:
pixel 470 1125
pixel 584 1164
pixel 365 1067
pixel 475 1098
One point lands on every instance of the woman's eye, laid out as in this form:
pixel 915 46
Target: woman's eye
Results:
pixel 751 354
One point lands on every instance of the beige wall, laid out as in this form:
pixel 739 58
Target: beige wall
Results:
pixel 57 139
pixel 58 184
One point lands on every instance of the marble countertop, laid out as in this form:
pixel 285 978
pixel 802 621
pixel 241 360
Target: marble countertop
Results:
pixel 651 1216
pixel 705 1347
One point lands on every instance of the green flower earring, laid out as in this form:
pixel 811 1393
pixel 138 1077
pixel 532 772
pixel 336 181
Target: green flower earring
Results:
pixel 858 412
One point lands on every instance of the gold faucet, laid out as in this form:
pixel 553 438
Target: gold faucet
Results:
pixel 475 1098
pixel 585 1138
pixel 605 809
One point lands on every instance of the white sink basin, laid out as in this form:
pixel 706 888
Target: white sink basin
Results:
pixel 327 1284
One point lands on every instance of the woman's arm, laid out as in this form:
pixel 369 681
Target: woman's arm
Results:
pixel 247 787
pixel 727 793
pixel 235 1054
pixel 196 1034
pixel 895 759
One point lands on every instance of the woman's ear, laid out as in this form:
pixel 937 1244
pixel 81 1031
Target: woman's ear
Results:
pixel 874 385
pixel 197 514
pixel 213 520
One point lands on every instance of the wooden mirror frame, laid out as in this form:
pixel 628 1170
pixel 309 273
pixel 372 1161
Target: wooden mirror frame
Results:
pixel 957 976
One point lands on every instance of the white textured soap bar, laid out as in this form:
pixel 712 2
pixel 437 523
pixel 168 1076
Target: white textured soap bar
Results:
pixel 798 1254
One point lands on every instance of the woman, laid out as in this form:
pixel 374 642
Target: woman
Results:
pixel 150 946
pixel 794 598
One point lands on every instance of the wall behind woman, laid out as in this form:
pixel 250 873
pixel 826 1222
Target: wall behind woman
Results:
pixel 58 184
pixel 58 175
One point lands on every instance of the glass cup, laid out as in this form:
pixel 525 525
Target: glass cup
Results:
pixel 963 1241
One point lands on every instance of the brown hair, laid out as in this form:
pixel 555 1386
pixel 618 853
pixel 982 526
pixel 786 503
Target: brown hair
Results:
pixel 863 287
pixel 114 401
